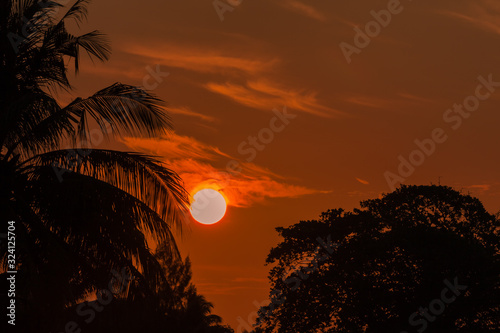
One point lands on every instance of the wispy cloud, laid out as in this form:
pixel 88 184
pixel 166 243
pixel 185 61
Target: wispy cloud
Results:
pixel 203 166
pixel 201 59
pixel 387 103
pixel 257 92
pixel 415 98
pixel 185 111
pixel 362 181
pixel 484 14
pixel 265 95
pixel 480 188
pixel 306 10
pixel 175 147
pixel 242 189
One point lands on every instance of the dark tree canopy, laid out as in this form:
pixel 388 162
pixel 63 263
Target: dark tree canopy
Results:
pixel 419 258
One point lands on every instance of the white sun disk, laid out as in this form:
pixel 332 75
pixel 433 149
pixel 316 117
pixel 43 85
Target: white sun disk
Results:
pixel 208 206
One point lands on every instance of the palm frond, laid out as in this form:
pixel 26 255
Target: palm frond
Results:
pixel 78 11
pixel 126 108
pixel 59 41
pixel 107 227
pixel 46 135
pixel 23 117
pixel 139 175
pixel 95 44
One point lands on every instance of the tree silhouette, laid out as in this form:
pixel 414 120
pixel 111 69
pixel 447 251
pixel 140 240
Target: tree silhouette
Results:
pixel 185 309
pixel 423 258
pixel 79 212
pixel 175 306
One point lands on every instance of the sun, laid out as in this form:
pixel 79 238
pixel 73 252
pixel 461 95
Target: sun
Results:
pixel 208 206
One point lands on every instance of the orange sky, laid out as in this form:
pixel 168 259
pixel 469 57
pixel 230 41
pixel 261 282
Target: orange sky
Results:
pixel 350 121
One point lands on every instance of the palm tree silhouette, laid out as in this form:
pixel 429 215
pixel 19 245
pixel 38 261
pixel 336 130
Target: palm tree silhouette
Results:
pixel 73 230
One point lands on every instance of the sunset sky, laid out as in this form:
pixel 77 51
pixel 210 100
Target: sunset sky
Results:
pixel 348 123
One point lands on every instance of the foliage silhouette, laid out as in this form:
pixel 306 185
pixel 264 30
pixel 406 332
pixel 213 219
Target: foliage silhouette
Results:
pixel 175 306
pixel 389 261
pixel 72 232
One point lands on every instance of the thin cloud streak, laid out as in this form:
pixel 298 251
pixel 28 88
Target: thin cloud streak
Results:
pixel 306 10
pixel 201 60
pixel 484 14
pixel 264 95
pixel 185 111
pixel 362 181
pixel 175 147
